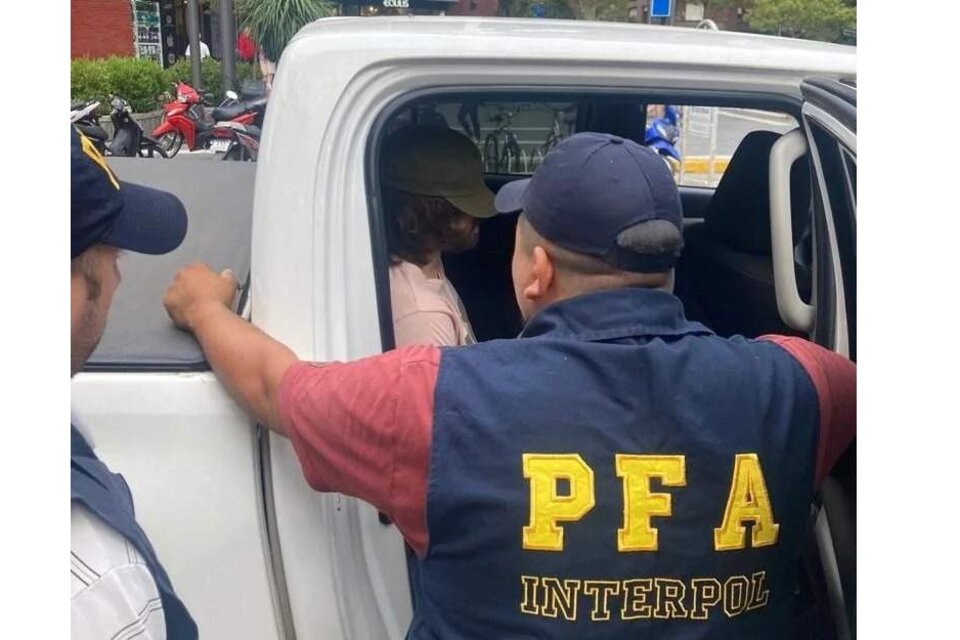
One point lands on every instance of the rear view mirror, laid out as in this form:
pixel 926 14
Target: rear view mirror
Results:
pixel 232 95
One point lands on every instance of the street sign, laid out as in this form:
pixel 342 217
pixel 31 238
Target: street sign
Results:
pixel 660 8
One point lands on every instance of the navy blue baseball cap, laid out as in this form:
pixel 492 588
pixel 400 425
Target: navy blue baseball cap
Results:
pixel 589 189
pixel 105 210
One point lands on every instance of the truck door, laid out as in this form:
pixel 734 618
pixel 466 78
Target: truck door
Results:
pixel 829 135
pixel 157 415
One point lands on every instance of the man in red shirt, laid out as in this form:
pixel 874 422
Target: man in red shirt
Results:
pixel 618 469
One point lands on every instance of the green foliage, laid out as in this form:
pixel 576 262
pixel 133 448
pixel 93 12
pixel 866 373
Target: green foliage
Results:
pixel 143 83
pixel 524 8
pixel 138 81
pixel 88 81
pixel 604 10
pixel 273 23
pixel 809 19
pixel 211 75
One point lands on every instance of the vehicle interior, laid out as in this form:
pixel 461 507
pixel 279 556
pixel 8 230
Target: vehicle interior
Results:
pixel 725 277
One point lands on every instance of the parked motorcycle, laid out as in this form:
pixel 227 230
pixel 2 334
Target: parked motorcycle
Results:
pixel 128 136
pixel 241 142
pixel 86 118
pixel 663 134
pixel 184 120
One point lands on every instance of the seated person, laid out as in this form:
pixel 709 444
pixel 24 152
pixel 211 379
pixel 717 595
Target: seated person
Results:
pixel 433 196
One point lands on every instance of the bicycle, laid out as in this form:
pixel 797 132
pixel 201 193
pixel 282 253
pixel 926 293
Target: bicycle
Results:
pixel 501 149
pixel 559 130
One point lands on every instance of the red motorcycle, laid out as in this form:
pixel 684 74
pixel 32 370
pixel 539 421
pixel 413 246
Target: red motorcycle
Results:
pixel 242 140
pixel 184 120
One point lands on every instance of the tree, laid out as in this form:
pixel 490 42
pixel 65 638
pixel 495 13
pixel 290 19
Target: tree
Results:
pixel 809 19
pixel 606 10
pixel 527 8
pixel 273 23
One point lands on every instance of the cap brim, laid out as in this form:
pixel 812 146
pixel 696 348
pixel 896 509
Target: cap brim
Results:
pixel 510 197
pixel 151 221
pixel 477 205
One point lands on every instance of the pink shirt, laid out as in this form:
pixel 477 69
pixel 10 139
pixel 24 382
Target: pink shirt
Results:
pixel 426 310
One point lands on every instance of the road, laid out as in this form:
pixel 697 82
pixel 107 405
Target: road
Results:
pixel 732 126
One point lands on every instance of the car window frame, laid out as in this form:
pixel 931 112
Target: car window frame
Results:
pixel 832 271
pixel 765 100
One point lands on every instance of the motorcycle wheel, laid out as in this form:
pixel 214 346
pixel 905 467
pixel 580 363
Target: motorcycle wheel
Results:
pixel 237 152
pixel 171 143
pixel 148 151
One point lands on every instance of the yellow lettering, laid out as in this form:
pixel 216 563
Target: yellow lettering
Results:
pixel 735 592
pixel 749 501
pixel 546 507
pixel 639 503
pixel 600 590
pixel 759 595
pixel 670 594
pixel 563 596
pixel 635 594
pixel 529 603
pixel 706 594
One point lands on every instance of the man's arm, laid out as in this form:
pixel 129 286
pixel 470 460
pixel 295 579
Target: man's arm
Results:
pixel 249 363
pixel 835 380
pixel 426 327
pixel 361 428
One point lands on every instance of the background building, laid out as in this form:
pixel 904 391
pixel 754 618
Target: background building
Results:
pixel 154 29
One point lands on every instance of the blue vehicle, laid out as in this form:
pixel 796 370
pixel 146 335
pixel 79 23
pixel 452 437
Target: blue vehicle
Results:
pixel 663 133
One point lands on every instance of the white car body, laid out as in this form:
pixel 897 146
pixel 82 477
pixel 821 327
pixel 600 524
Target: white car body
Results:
pixel 323 566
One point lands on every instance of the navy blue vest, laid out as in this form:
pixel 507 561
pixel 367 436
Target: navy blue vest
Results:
pixel 616 378
pixel 107 495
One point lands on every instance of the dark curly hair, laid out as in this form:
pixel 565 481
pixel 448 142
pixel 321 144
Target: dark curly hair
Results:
pixel 419 225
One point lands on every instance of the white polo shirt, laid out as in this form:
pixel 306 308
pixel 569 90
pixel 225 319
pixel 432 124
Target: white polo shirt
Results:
pixel 113 595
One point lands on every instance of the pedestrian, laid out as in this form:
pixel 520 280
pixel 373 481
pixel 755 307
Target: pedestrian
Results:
pixel 119 587
pixel 434 196
pixel 617 471
pixel 268 69
pixel 204 49
pixel 246 47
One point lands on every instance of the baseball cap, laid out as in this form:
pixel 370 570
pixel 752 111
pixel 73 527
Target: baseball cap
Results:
pixel 105 210
pixel 590 188
pixel 432 160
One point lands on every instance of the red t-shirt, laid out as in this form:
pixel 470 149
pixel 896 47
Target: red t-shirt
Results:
pixel 364 428
pixel 246 49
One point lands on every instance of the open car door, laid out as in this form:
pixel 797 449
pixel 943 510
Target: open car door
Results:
pixel 829 135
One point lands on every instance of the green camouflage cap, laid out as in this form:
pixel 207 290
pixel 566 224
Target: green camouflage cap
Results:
pixel 431 160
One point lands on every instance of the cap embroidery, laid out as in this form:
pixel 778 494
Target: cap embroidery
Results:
pixel 93 154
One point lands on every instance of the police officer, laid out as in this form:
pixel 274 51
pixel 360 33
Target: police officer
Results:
pixel 618 471
pixel 119 588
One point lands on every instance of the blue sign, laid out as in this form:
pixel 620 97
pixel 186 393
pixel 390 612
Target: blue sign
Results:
pixel 660 8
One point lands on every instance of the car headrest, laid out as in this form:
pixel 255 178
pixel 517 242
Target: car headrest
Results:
pixel 739 212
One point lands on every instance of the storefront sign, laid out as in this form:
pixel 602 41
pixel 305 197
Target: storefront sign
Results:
pixel 146 30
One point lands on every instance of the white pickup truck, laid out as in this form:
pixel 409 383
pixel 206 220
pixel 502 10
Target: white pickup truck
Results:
pixel 251 549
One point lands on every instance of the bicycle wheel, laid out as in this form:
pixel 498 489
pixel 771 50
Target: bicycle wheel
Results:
pixel 536 159
pixel 491 154
pixel 513 157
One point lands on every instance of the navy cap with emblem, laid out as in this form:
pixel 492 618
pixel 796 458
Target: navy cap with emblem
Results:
pixel 589 189
pixel 107 211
